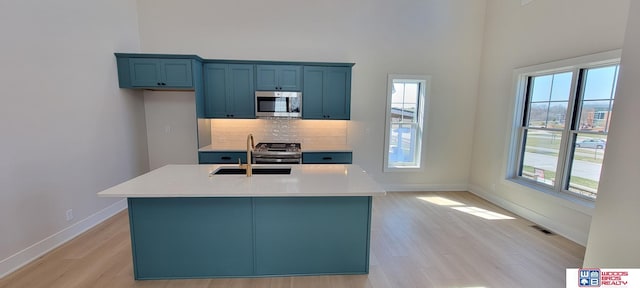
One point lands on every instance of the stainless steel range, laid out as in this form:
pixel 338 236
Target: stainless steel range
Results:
pixel 276 153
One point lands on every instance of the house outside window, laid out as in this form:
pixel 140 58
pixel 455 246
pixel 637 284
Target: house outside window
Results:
pixel 562 118
pixel 406 103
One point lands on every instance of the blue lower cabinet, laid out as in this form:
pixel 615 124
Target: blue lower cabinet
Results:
pixel 191 237
pixel 221 157
pixel 175 238
pixel 327 158
pixel 312 235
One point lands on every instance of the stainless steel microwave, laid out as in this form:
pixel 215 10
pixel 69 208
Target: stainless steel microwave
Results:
pixel 278 104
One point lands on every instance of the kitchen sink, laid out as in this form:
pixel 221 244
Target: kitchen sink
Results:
pixel 256 171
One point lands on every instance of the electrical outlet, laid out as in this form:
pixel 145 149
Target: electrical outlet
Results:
pixel 493 187
pixel 69 214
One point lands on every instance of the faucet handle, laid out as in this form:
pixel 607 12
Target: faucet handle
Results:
pixel 240 162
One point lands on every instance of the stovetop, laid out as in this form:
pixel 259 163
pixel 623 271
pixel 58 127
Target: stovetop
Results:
pixel 278 147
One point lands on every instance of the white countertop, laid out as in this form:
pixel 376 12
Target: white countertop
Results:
pixel 196 181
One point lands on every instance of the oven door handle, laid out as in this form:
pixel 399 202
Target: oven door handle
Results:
pixel 276 160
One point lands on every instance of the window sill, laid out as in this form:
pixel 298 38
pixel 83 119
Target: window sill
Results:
pixel 402 169
pixel 571 201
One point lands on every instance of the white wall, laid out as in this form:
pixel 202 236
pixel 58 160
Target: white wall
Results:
pixel 171 127
pixel 615 233
pixel 430 37
pixel 67 131
pixel 518 36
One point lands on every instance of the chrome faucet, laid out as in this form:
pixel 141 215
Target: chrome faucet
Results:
pixel 250 147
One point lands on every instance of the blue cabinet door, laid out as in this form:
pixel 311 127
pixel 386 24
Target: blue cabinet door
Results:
pixel 336 102
pixel 191 237
pixel 161 73
pixel 242 94
pixel 312 235
pixel 176 73
pixel 312 107
pixel 145 72
pixel 279 77
pixel 266 77
pixel 215 90
pixel 327 93
pixel 229 91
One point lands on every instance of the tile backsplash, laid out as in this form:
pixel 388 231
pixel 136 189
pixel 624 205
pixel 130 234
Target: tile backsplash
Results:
pixel 229 133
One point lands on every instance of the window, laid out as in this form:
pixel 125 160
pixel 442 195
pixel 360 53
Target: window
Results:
pixel 406 102
pixel 562 121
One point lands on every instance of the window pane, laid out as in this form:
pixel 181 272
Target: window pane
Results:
pixel 550 100
pixel 540 158
pixel 561 88
pixel 595 116
pixel 557 115
pixel 541 89
pixel 411 93
pixel 404 101
pixel 410 113
pixel 538 115
pixel 599 83
pixel 397 93
pixel 586 164
pixel 403 148
pixel 597 99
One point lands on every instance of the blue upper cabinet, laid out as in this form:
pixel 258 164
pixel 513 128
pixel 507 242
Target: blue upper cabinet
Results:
pixel 142 71
pixel 278 78
pixel 229 91
pixel 327 93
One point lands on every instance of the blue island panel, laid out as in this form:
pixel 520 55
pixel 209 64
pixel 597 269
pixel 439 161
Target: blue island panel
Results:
pixel 312 235
pixel 191 237
pixel 176 238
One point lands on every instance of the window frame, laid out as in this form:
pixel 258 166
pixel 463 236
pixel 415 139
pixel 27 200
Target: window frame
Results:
pixel 521 78
pixel 421 123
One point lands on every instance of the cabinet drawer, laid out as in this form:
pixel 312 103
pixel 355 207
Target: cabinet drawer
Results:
pixel 221 157
pixel 326 158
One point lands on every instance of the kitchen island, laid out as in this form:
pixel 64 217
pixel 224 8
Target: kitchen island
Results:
pixel 188 223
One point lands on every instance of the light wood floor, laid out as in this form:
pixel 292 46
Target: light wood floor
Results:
pixel 414 243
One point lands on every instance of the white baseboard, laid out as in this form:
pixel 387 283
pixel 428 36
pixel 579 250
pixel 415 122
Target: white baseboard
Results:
pixel 24 257
pixel 563 230
pixel 425 187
